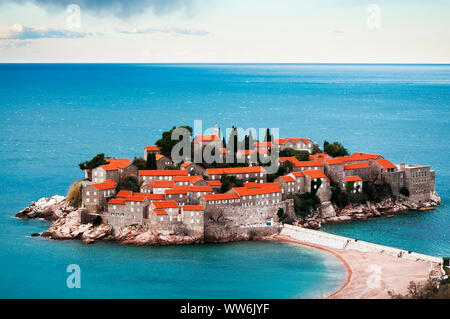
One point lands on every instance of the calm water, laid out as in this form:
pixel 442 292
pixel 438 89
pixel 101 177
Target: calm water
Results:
pixel 55 116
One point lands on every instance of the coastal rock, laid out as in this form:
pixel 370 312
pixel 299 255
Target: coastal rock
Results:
pixel 340 219
pixel 51 208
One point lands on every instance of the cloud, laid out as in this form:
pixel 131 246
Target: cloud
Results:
pixel 20 32
pixel 120 8
pixel 167 30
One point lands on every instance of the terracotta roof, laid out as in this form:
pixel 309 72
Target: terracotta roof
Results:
pixel 165 172
pixel 156 196
pixel 281 141
pixel 308 164
pixel 287 179
pixel 200 189
pixel 333 161
pixel 369 156
pixel 117 201
pixel 263 144
pixel 353 178
pixel 136 197
pixel 124 193
pixel 108 184
pixel 116 163
pixel 165 204
pixel 214 183
pixel 161 184
pixel 190 179
pixel 356 166
pixel 160 212
pixel 245 191
pixel 298 174
pixel 159 156
pixel 153 148
pixel 186 164
pixel 235 170
pixel 314 174
pixel 291 159
pixel 194 207
pixel 177 190
pixel 317 156
pixel 386 164
pixel 207 138
pixel 211 197
pixel 252 185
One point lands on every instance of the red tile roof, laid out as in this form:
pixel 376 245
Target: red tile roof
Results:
pixel 353 178
pixel 287 179
pixel 369 156
pixel 298 174
pixel 356 166
pixel 281 141
pixel 263 144
pixel 159 156
pixel 124 193
pixel 245 191
pixel 200 189
pixel 333 161
pixel 156 197
pixel 214 183
pixel 116 163
pixel 235 170
pixel 165 172
pixel 160 212
pixel 165 204
pixel 161 184
pixel 190 179
pixel 308 164
pixel 212 197
pixel 386 164
pixel 318 156
pixel 186 164
pixel 117 201
pixel 314 174
pixel 137 197
pixel 153 148
pixel 108 184
pixel 177 190
pixel 194 207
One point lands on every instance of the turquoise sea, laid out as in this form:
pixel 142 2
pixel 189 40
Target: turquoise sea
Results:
pixel 53 116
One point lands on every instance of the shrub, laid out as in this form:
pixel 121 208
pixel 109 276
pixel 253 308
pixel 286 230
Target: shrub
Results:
pixel 433 288
pixel 96 161
pixel 305 203
pixel 280 214
pixel 74 195
pixel 129 183
pixel 139 163
pixel 151 161
pixel 300 155
pixel 335 149
pixel 229 182
pixel 404 191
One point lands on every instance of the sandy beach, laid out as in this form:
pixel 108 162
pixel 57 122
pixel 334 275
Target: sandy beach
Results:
pixel 372 275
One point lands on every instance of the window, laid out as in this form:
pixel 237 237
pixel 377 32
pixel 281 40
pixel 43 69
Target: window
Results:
pixel 114 206
pixel 87 193
pixel 87 200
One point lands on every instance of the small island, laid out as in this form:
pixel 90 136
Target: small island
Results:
pixel 156 200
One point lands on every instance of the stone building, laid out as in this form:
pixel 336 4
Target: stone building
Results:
pixel 146 176
pixel 287 185
pixel 317 181
pixel 299 144
pixel 192 168
pixel 94 197
pixel 419 180
pixel 356 183
pixel 116 170
pixel 189 181
pixel 151 150
pixel 193 216
pixel 247 174
pixel 299 166
pixel 162 162
pixel 358 169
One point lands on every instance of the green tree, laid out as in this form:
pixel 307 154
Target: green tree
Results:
pixel 151 161
pixel 228 182
pixel 334 150
pixel 96 161
pixel 129 183
pixel 305 203
pixel 316 149
pixel 139 163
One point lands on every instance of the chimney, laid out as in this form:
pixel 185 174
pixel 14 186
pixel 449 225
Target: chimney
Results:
pixel 402 166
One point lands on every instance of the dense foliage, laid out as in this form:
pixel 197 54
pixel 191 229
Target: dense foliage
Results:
pixel 300 155
pixel 151 161
pixel 316 149
pixel 283 169
pixel 404 191
pixel 129 183
pixel 305 203
pixel 433 288
pixel 228 182
pixel 96 161
pixel 140 163
pixel 335 149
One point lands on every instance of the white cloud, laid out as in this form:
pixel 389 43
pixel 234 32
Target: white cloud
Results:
pixel 166 30
pixel 20 32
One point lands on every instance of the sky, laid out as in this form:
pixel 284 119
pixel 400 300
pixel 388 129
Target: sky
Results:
pixel 225 31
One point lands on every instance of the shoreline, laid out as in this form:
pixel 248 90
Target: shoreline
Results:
pixel 394 275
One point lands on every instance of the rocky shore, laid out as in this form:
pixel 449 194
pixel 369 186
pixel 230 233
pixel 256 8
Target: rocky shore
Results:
pixel 387 207
pixel 67 223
